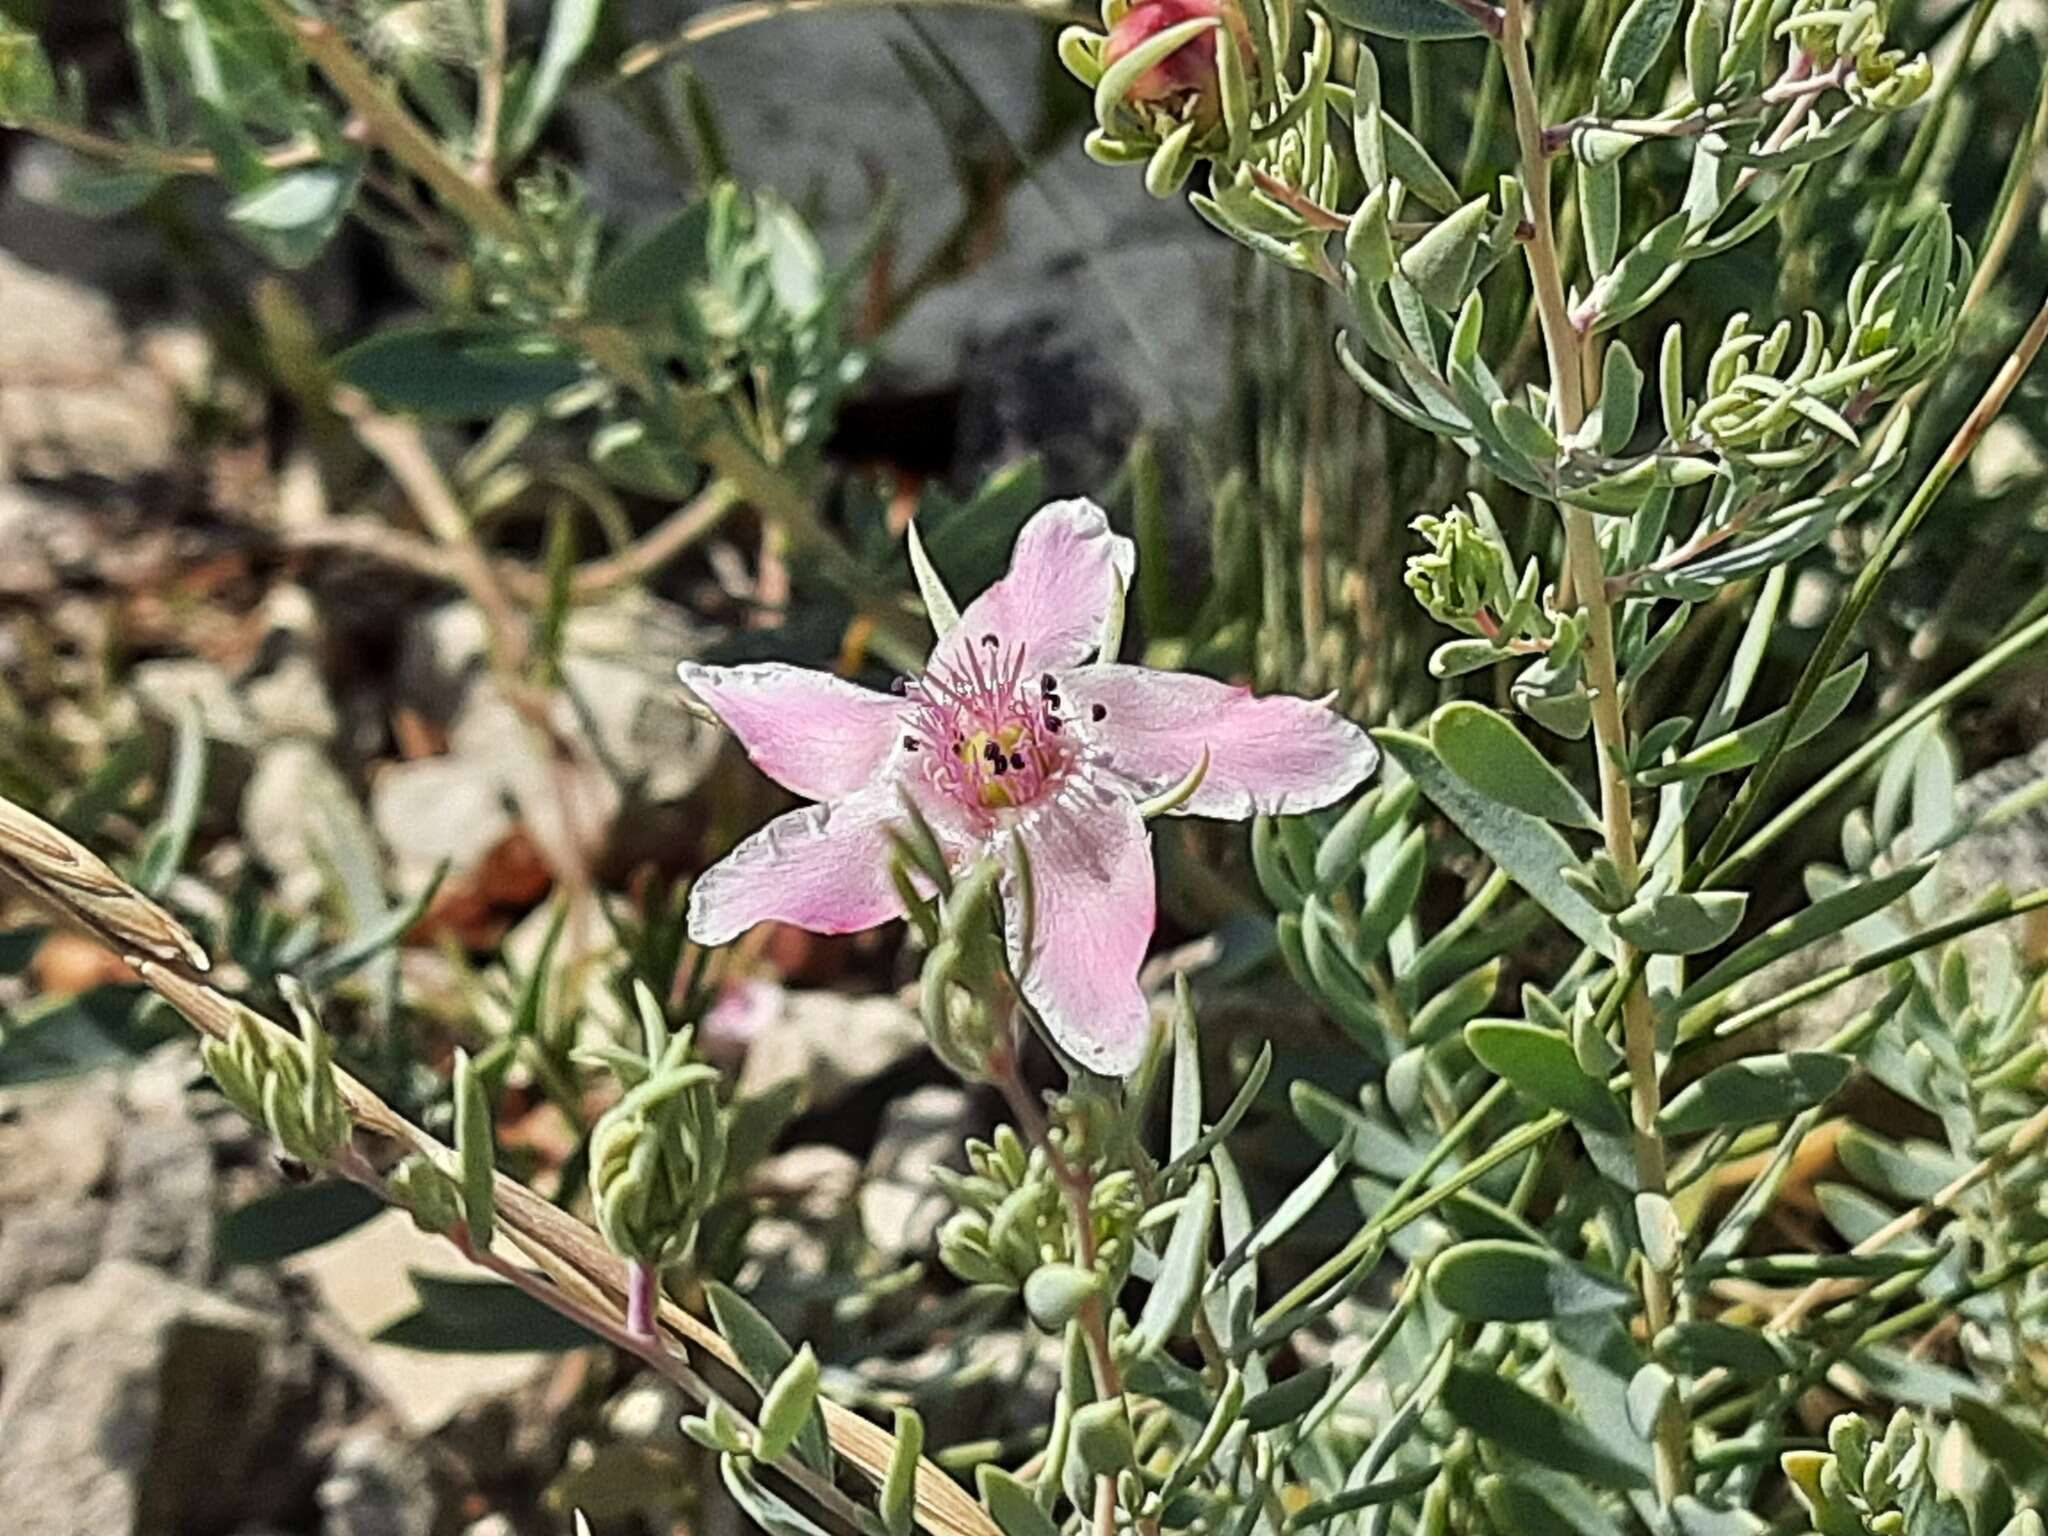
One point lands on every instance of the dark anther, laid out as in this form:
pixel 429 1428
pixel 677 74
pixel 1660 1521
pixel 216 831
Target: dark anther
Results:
pixel 990 641
pixel 1052 723
pixel 1099 711
pixel 999 766
pixel 1047 684
pixel 898 685
pixel 992 752
pixel 1017 761
pixel 910 743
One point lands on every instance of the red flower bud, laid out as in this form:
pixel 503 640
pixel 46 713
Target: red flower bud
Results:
pixel 1185 80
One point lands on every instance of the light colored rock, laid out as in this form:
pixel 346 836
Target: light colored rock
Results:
pixel 376 1486
pixel 294 810
pixel 108 1166
pixel 43 538
pixel 435 809
pixel 361 1281
pixel 901 1206
pixel 831 1043
pixel 134 1404
pixel 73 399
pixel 169 686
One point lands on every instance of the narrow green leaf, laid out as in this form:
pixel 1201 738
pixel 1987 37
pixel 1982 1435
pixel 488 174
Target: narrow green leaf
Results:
pixel 1527 1426
pixel 1011 1503
pixel 1682 923
pixel 1496 1281
pixel 454 374
pixel 571 26
pixel 475 1151
pixel 1489 753
pixel 1440 263
pixel 1416 20
pixel 1621 397
pixel 1825 918
pixel 788 1405
pixel 1644 30
pixel 1742 747
pixel 1542 1066
pixel 1528 850
pixel 1179 1280
pixel 1754 1091
pixel 939 606
pixel 764 1355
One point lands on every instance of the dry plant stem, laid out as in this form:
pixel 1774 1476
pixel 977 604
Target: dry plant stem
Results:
pixel 1563 347
pixel 72 883
pixel 398 445
pixel 490 94
pixel 153 157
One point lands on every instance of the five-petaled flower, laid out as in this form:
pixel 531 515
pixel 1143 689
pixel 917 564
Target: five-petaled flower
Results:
pixel 1012 735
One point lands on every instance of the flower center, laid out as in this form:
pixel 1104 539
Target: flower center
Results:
pixel 991 737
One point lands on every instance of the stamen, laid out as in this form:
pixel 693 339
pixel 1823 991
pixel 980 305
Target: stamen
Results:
pixel 1099 712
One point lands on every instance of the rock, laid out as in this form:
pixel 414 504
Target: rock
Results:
pixel 45 539
pixel 74 397
pixel 137 1405
pixel 296 811
pixel 436 809
pixel 1077 257
pixel 901 1206
pixel 2012 854
pixel 376 1486
pixel 361 1280
pixel 831 1043
pixel 169 687
pixel 101 1168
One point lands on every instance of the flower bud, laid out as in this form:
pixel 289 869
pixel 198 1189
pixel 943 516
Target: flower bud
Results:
pixel 428 1195
pixel 1185 83
pixel 655 1161
pixel 1464 572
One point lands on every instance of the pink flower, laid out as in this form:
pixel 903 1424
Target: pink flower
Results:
pixel 1011 736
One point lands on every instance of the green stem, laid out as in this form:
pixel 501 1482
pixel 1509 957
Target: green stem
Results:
pixel 1564 349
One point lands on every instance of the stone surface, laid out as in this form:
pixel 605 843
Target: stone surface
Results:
pixel 2012 854
pixel 439 808
pixel 376 1486
pixel 74 398
pixel 1077 263
pixel 831 1043
pixel 362 1281
pixel 103 1168
pixel 901 1206
pixel 136 1405
pixel 295 809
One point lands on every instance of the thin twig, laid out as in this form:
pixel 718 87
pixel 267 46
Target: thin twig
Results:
pixel 490 95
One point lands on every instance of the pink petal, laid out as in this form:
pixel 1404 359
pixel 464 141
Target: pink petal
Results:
pixel 810 731
pixel 1065 573
pixel 824 868
pixel 1273 756
pixel 1091 910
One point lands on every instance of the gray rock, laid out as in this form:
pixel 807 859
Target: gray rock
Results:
pixel 2012 854
pixel 107 1167
pixel 296 808
pixel 136 1405
pixel 435 809
pixel 376 1486
pixel 74 399
pixel 44 538
pixel 901 1207
pixel 831 1043
pixel 1133 291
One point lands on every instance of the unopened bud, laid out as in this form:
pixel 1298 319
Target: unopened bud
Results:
pixel 1185 83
